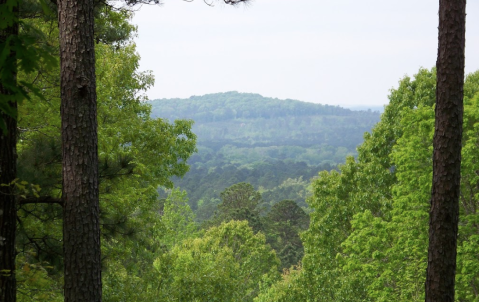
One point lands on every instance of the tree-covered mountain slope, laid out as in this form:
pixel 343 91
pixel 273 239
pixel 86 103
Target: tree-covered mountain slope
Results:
pixel 244 128
pixel 276 145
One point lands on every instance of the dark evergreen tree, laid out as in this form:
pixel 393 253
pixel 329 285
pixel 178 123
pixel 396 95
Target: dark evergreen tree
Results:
pixel 239 202
pixel 283 224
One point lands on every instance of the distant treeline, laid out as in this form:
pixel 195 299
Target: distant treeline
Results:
pixel 233 105
pixel 245 120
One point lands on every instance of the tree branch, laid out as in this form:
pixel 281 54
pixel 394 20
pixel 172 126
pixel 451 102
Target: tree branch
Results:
pixel 41 199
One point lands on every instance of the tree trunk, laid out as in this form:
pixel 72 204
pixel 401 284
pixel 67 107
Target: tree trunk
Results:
pixel 81 227
pixel 8 172
pixel 444 212
pixel 8 211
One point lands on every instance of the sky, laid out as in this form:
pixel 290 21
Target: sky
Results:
pixel 337 52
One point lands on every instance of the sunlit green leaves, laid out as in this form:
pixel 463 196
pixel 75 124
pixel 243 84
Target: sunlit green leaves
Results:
pixel 137 155
pixel 369 226
pixel 226 264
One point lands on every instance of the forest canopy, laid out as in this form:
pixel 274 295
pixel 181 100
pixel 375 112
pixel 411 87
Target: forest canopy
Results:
pixel 275 145
pixel 284 200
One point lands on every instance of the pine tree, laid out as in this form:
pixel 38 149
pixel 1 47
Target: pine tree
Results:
pixel 444 212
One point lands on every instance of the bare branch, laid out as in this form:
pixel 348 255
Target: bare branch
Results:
pixel 131 3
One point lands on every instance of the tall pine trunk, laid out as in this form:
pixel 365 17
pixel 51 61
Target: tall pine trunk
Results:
pixel 444 212
pixel 8 172
pixel 8 210
pixel 81 227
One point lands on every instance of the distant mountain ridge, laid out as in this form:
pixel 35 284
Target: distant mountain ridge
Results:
pixel 235 105
pixel 249 120
pixel 276 145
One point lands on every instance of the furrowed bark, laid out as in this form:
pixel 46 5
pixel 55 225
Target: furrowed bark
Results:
pixel 81 227
pixel 444 212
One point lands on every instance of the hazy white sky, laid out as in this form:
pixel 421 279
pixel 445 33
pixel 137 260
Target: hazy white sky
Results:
pixel 340 52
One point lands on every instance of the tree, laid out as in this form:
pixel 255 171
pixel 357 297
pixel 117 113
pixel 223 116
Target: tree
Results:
pixel 8 136
pixel 339 197
pixel 226 264
pixel 137 154
pixel 19 52
pixel 238 196
pixel 81 226
pixel 290 288
pixel 7 210
pixel 371 245
pixel 444 212
pixel 389 253
pixel 8 173
pixel 239 202
pixel 283 224
pixel 80 189
pixel 177 218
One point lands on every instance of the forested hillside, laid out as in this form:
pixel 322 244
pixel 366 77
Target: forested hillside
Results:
pixel 284 202
pixel 368 237
pixel 276 145
pixel 245 127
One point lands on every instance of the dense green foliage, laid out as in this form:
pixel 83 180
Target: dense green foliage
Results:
pixel 281 223
pixel 282 226
pixel 141 233
pixel 368 235
pixel 226 264
pixel 357 232
pixel 24 51
pixel 276 180
pixel 137 154
pixel 244 137
pixel 239 202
